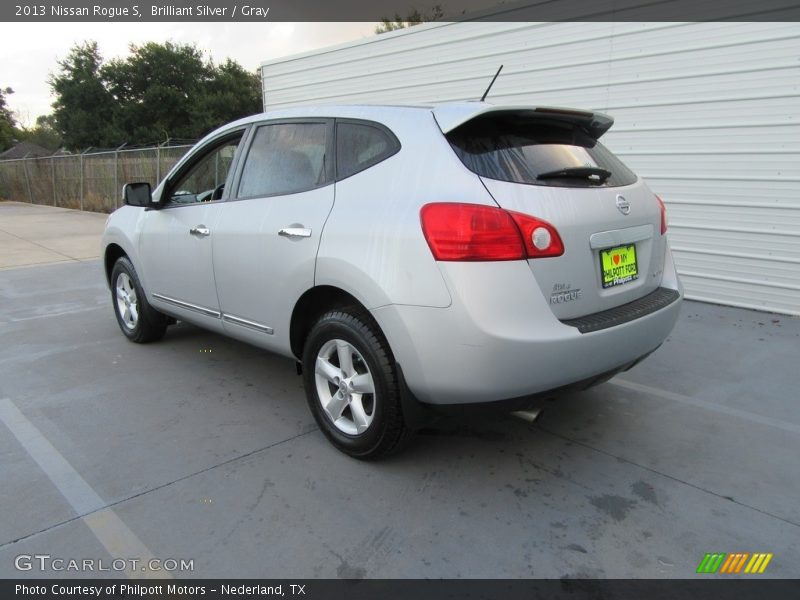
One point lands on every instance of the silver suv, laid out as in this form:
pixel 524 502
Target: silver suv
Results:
pixel 409 258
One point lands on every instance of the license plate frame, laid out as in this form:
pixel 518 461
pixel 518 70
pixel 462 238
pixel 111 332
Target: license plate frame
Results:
pixel 625 270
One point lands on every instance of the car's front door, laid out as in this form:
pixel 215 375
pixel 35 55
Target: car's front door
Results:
pixel 266 240
pixel 175 244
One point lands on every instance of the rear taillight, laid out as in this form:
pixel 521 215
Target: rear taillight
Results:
pixel 540 237
pixel 663 209
pixel 473 232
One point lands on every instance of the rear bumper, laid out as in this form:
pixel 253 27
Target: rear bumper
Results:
pixel 530 401
pixel 656 300
pixel 499 340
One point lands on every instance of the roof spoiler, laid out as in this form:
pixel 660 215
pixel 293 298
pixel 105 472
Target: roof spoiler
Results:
pixel 451 116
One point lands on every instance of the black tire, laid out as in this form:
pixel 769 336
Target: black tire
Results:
pixel 387 432
pixel 150 325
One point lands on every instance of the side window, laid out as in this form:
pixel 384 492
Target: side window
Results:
pixel 359 146
pixel 205 180
pixel 285 158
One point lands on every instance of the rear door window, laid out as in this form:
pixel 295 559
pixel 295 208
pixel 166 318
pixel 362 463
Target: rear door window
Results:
pixel 534 153
pixel 286 158
pixel 360 145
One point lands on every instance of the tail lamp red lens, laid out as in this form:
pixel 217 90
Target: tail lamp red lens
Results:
pixel 540 237
pixel 663 209
pixel 474 232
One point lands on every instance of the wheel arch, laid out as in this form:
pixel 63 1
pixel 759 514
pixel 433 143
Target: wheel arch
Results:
pixel 313 304
pixel 112 254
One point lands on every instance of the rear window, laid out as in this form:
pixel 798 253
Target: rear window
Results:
pixel 522 151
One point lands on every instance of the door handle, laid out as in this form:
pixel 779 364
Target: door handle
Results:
pixel 200 230
pixel 295 232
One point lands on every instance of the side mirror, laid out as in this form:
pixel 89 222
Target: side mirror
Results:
pixel 137 194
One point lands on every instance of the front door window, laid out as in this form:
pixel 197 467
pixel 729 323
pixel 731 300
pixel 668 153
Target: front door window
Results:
pixel 205 180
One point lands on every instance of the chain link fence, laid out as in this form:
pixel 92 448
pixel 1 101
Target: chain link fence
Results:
pixel 88 181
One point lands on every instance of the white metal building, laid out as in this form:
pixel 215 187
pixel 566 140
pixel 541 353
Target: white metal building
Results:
pixel 708 113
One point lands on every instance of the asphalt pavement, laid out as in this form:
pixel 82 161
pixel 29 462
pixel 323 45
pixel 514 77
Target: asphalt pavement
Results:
pixel 202 449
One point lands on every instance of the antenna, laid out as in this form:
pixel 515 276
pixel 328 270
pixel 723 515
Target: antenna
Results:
pixel 486 93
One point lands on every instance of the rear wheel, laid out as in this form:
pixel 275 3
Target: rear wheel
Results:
pixel 351 385
pixel 139 321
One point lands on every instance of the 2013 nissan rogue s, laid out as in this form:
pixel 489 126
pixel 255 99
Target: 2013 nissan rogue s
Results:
pixel 406 257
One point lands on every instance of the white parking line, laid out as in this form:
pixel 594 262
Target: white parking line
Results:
pixel 73 311
pixel 734 412
pixel 115 536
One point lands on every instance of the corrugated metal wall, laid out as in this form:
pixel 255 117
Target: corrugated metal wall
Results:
pixel 708 113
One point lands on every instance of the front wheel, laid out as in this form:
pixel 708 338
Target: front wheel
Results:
pixel 139 321
pixel 351 385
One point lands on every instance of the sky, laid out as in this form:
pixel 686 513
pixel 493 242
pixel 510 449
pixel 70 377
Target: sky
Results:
pixel 29 51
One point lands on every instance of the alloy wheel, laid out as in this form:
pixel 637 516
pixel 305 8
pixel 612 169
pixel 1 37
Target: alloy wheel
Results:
pixel 345 386
pixel 127 302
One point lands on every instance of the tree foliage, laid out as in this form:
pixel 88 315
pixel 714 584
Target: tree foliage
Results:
pixel 7 123
pixel 158 91
pixel 43 134
pixel 415 17
pixel 84 110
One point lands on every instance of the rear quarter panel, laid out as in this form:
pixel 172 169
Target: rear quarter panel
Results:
pixel 372 245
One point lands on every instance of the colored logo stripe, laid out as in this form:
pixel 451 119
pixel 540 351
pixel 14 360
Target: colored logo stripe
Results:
pixel 758 563
pixel 711 563
pixel 734 563
pixel 721 562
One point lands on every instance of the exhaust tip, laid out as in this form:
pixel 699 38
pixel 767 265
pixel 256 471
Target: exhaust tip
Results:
pixel 529 416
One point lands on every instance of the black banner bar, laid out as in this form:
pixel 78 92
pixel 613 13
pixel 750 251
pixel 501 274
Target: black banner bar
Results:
pixel 733 588
pixel 261 11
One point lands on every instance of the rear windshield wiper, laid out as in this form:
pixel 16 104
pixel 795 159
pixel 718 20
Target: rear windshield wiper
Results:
pixel 592 174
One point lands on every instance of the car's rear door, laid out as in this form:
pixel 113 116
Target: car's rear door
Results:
pixel 266 240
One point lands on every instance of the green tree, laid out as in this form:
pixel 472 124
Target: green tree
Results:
pixel 415 17
pixel 84 110
pixel 158 91
pixel 157 88
pixel 232 93
pixel 7 122
pixel 44 133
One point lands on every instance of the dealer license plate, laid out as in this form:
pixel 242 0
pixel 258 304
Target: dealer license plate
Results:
pixel 619 265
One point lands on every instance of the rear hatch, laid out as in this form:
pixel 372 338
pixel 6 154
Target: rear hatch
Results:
pixel 548 163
